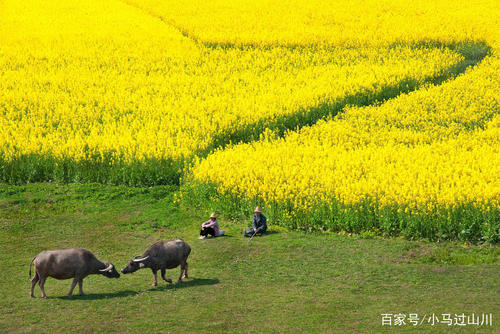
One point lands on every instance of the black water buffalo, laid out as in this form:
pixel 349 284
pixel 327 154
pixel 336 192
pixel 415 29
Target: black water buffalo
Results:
pixel 76 263
pixel 162 255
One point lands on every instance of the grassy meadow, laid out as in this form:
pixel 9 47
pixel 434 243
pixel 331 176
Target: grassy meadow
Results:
pixel 280 283
pixel 368 116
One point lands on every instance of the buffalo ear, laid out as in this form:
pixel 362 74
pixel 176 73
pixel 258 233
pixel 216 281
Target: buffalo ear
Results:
pixel 141 265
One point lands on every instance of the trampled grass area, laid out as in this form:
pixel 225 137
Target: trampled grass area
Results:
pixel 282 282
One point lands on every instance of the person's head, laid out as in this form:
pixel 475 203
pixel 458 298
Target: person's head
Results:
pixel 213 216
pixel 257 210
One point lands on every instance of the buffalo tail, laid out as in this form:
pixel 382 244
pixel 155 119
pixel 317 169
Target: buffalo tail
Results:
pixel 30 266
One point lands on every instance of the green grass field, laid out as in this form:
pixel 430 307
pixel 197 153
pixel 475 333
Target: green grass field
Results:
pixel 285 281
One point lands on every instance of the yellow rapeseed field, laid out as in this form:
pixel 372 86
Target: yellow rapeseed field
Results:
pixel 128 91
pixel 430 156
pixel 439 145
pixel 322 22
pixel 94 77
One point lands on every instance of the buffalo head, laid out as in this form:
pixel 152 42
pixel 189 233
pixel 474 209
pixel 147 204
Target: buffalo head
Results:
pixel 135 264
pixel 109 271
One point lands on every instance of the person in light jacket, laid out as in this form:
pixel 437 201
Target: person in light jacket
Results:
pixel 211 227
pixel 259 223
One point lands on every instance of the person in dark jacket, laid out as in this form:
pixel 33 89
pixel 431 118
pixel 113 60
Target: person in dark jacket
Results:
pixel 259 223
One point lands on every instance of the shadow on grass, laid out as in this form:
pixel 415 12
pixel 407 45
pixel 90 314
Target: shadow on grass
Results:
pixel 186 284
pixel 97 296
pixel 267 233
pixel 127 293
pixel 219 237
pixel 240 235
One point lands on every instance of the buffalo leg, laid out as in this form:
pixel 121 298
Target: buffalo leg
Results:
pixel 163 276
pixel 182 272
pixel 33 283
pixel 41 283
pixel 73 284
pixel 186 270
pixel 80 287
pixel 155 283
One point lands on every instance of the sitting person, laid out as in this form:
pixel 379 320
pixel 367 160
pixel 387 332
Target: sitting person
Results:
pixel 211 227
pixel 258 223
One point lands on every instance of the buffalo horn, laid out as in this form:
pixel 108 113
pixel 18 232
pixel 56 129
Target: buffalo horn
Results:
pixel 107 268
pixel 141 259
